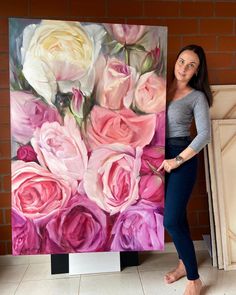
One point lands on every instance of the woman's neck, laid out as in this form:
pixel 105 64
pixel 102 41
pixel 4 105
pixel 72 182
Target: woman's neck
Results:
pixel 177 90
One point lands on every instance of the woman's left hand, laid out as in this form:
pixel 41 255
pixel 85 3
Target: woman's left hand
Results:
pixel 168 165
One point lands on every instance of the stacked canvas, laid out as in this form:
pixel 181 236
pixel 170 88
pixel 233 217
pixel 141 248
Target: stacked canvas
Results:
pixel 220 171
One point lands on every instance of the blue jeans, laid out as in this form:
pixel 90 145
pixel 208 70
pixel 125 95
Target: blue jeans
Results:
pixel 179 185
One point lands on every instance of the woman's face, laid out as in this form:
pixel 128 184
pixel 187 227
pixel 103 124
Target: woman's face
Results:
pixel 186 66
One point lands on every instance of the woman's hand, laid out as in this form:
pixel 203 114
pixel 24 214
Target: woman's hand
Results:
pixel 168 165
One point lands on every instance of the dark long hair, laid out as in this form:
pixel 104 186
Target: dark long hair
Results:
pixel 200 81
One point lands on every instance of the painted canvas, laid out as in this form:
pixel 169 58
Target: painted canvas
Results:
pixel 88 134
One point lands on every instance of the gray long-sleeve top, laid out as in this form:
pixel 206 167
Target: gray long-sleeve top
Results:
pixel 180 114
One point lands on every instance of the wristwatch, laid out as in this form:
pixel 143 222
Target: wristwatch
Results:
pixel 179 160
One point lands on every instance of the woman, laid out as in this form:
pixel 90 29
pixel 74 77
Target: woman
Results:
pixel 189 97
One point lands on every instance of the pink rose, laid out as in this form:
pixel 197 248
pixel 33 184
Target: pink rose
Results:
pixel 139 228
pixel 61 149
pixel 25 239
pixel 159 136
pixel 152 158
pixel 151 188
pixel 77 103
pixel 80 227
pixel 26 153
pixel 37 193
pixel 115 85
pixel 112 177
pixel 105 127
pixel 150 93
pixel 126 34
pixel 151 60
pixel 28 113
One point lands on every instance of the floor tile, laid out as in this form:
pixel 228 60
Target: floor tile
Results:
pixel 8 288
pixel 41 271
pixel 111 284
pixel 69 286
pixel 12 273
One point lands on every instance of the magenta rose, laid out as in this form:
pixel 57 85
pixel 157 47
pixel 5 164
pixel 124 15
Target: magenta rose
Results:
pixel 151 188
pixel 25 239
pixel 139 227
pixel 26 153
pixel 61 149
pixel 115 86
pixel 106 127
pixel 112 177
pixel 80 227
pixel 152 158
pixel 28 113
pixel 159 136
pixel 126 34
pixel 150 93
pixel 37 193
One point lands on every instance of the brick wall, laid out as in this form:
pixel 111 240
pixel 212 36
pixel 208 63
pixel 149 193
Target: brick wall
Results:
pixel 211 24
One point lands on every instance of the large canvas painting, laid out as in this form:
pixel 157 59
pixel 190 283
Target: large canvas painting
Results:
pixel 88 134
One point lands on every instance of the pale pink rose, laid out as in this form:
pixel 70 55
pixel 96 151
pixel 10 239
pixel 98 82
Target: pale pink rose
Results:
pixel 105 127
pixel 25 239
pixel 151 188
pixel 139 228
pixel 37 193
pixel 28 113
pixel 160 135
pixel 80 227
pixel 126 34
pixel 150 93
pixel 77 102
pixel 61 149
pixel 26 153
pixel 152 158
pixel 112 177
pixel 115 85
pixel 151 60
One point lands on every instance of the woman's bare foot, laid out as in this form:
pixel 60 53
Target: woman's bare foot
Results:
pixel 193 287
pixel 175 274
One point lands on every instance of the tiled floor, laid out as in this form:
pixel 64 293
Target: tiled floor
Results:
pixel 34 278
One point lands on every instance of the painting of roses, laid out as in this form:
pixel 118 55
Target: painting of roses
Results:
pixel 88 135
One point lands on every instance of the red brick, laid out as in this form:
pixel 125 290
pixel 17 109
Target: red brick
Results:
pixel 4 79
pixel 86 8
pixel 3 62
pixel 4 43
pixel 5 232
pixel 4 115
pixel 198 204
pixel 207 42
pixel 220 60
pixel 157 9
pixel 5 200
pixel 125 8
pixel 204 218
pixel 197 233
pixel 226 76
pixel 3 26
pixel 114 20
pixel 6 183
pixel 48 8
pixel 4 97
pixel 225 9
pixel 227 43
pixel 14 7
pixel 214 77
pixel 2 248
pixel 5 166
pixel 193 218
pixel 8 216
pixel 4 132
pixel 197 9
pixel 174 44
pixel 216 26
pixel 5 149
pixel 1 216
pixel 9 247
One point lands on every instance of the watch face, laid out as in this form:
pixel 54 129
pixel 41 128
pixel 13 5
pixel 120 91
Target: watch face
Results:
pixel 179 160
